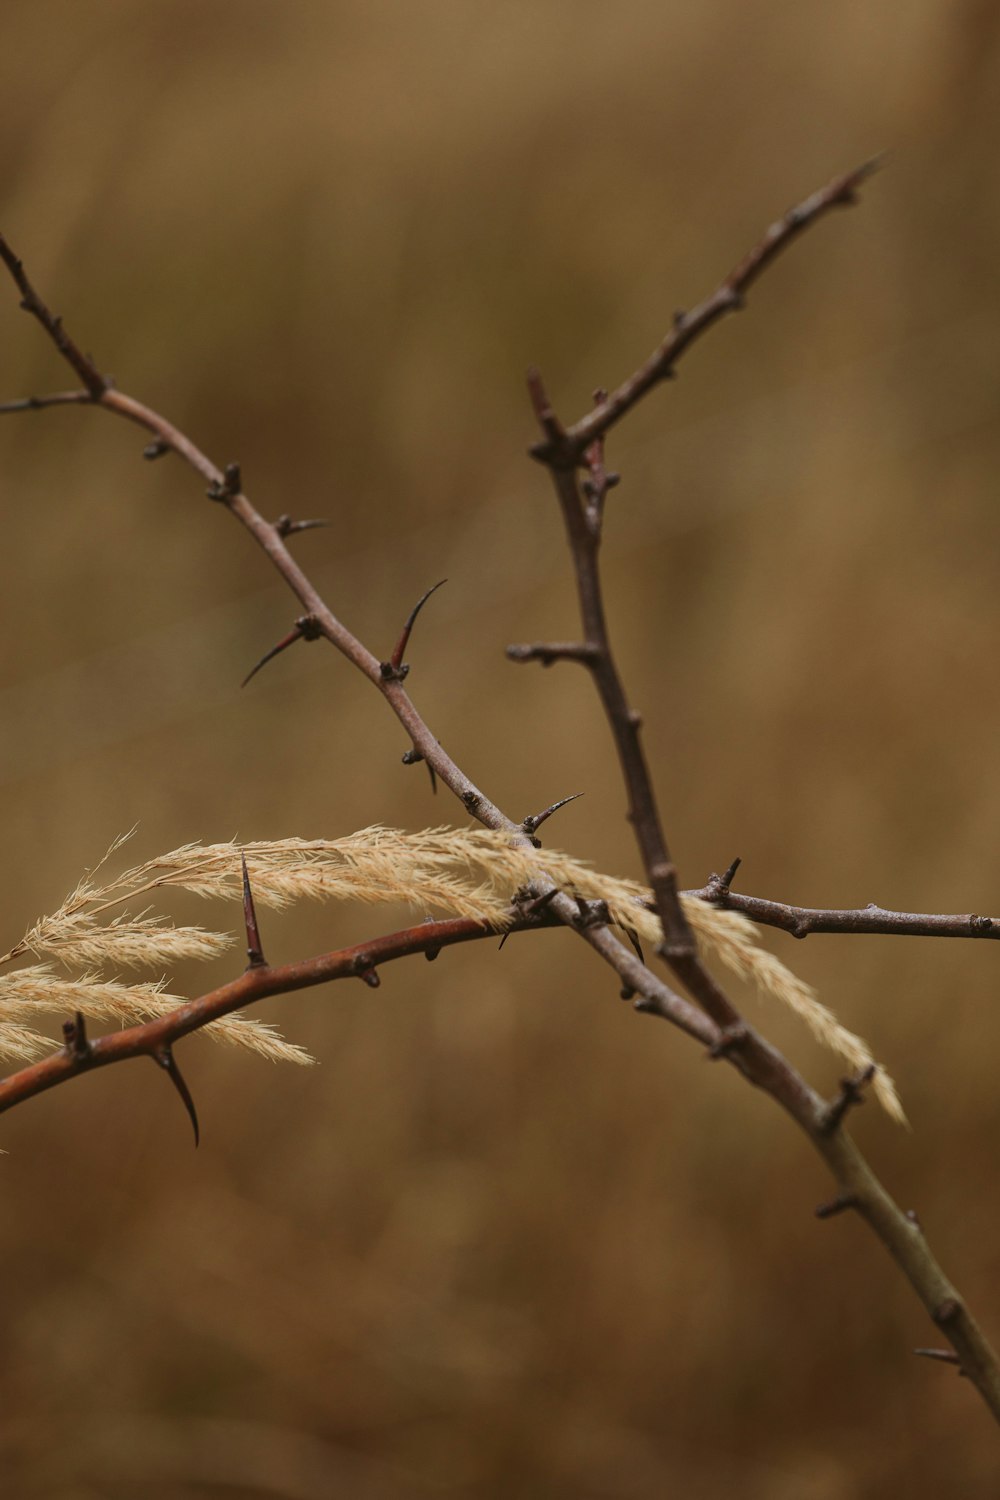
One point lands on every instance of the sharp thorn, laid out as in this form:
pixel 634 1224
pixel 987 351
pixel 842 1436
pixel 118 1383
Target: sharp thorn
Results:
pixel 537 819
pixel 255 953
pixel 304 629
pixel 395 662
pixel 164 1058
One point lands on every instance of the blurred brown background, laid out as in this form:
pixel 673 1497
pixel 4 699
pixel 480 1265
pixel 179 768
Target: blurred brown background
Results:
pixel 508 1239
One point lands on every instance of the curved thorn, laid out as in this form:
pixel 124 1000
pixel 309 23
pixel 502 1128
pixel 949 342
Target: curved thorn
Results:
pixel 396 659
pixel 536 820
pixel 164 1058
pixel 288 640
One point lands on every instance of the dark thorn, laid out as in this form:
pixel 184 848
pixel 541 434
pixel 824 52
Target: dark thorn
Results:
pixel 255 953
pixel 411 757
pixel 535 820
pixel 306 629
pixel 370 977
pixel 430 953
pixel 164 1057
pixel 837 1205
pixel 502 941
pixel 633 938
pixel 434 780
pixel 851 1094
pixel 591 913
pixel 229 486
pixel 75 1037
pixel 285 526
pixel 156 449
pixel 536 904
pixel 730 1038
pixel 725 881
pixel 394 667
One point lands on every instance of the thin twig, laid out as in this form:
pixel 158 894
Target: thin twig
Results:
pixel 800 921
pixel 567 445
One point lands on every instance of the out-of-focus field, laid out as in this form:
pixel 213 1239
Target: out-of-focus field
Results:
pixel 509 1239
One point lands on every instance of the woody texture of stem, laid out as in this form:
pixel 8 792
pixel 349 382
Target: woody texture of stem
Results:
pixel 674 982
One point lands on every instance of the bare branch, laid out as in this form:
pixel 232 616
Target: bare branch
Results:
pixel 564 446
pixel 800 921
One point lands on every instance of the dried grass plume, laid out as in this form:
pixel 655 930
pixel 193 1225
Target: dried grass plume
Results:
pixel 103 926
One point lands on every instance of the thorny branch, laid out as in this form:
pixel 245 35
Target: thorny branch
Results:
pixel 714 1021
pixel 800 921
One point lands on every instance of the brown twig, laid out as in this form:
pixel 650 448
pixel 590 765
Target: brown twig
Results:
pixel 152 1038
pixel 566 446
pixel 800 921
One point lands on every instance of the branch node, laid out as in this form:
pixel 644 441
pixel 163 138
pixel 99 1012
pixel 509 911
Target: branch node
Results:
pixel 471 799
pixel 851 1095
pixel 532 905
pixel 75 1037
pixel 947 1312
pixel 837 1205
pixel 730 1038
pixel 157 449
pixel 591 913
pixel 229 486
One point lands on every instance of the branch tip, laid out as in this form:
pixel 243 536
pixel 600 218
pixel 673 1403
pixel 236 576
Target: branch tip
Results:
pixel 850 1097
